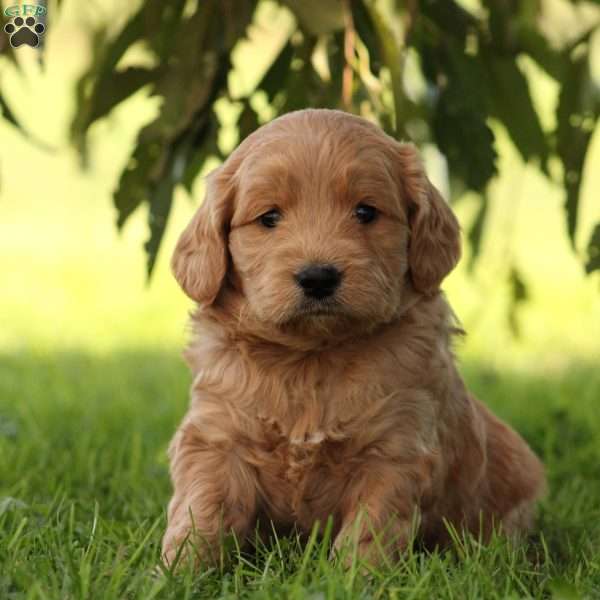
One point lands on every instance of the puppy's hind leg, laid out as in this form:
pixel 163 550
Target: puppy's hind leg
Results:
pixel 514 476
pixel 214 496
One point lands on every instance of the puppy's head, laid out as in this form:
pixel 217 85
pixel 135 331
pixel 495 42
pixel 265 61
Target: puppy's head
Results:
pixel 318 221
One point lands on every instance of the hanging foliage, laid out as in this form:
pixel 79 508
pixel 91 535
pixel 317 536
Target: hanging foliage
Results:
pixel 469 65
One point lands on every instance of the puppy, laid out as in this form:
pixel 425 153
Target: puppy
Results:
pixel 324 384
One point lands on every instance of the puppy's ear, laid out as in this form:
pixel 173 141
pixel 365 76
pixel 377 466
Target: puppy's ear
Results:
pixel 200 259
pixel 434 246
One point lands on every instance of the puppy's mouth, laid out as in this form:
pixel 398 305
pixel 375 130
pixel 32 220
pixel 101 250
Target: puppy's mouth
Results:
pixel 327 307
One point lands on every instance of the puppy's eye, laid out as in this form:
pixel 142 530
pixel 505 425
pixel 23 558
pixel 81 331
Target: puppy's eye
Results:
pixel 270 218
pixel 365 213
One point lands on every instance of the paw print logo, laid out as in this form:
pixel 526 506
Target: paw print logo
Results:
pixel 24 31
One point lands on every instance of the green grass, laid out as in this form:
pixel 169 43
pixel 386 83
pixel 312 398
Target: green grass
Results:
pixel 84 483
pixel 92 385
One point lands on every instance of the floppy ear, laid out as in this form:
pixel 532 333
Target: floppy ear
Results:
pixel 434 246
pixel 200 259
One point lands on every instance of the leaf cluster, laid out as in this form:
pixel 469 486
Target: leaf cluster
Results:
pixel 431 71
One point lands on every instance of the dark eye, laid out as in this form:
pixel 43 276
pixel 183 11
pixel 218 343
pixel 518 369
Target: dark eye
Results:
pixel 270 218
pixel 365 213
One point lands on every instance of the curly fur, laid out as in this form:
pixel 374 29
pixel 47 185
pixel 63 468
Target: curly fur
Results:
pixel 356 409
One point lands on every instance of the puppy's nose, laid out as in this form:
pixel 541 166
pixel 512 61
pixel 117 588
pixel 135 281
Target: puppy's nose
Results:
pixel 318 281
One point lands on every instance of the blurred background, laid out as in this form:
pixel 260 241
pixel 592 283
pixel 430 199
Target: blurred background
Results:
pixel 83 116
pixel 106 131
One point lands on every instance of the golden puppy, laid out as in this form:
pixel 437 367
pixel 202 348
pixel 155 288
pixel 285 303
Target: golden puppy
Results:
pixel 324 382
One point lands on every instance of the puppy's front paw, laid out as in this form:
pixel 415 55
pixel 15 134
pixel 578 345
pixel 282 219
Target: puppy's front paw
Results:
pixel 181 548
pixel 369 542
pixel 348 550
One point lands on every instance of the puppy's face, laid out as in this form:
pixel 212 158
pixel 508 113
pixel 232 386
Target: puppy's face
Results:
pixel 319 221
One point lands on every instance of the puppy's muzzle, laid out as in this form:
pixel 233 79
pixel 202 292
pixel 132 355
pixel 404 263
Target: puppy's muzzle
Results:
pixel 318 281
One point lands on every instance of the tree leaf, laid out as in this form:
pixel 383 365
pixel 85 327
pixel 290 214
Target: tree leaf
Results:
pixel 460 112
pixel 161 200
pixel 363 23
pixel 518 296
pixel 118 87
pixel 8 115
pixel 475 233
pixel 577 114
pixel 510 101
pixel 172 148
pixel 593 251
pixel 97 78
pixel 318 17
pixel 97 90
pixel 132 190
pixel 452 18
pixel 157 141
pixel 203 145
pixel 274 79
pixel 247 121
pixel 468 59
pixel 301 80
pixel 534 44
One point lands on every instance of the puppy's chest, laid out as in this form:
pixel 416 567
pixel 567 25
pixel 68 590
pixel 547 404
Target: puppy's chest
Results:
pixel 302 474
pixel 306 430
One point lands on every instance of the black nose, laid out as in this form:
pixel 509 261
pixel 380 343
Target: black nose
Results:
pixel 318 281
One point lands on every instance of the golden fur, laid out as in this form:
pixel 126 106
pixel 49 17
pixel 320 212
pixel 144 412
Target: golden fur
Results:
pixel 356 411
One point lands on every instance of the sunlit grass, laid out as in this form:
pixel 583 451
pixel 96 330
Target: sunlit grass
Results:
pixel 84 483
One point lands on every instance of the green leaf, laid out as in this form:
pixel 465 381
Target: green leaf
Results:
pixel 328 93
pixel 451 18
pixel 172 148
pixel 247 121
pixel 277 74
pixel 132 190
pixel 577 114
pixel 161 200
pixel 302 79
pixel 119 86
pixel 8 115
pixel 593 251
pixel 203 145
pixel 303 86
pixel 156 141
pixel 460 113
pixel 465 139
pixel 534 44
pixel 318 17
pixel 475 233
pixel 507 89
pixel 98 89
pixel 363 24
pixel 162 22
pixel 511 103
pixel 96 80
pixel 518 296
